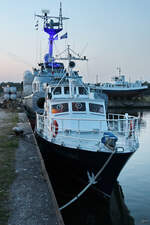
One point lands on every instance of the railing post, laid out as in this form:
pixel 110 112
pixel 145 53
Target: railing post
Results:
pixel 79 126
pixel 113 119
pixel 126 125
pixel 119 124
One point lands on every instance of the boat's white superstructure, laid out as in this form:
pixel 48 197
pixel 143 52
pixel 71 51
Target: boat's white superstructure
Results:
pixel 122 88
pixel 80 122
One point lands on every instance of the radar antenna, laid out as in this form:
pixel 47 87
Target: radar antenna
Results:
pixel 52 26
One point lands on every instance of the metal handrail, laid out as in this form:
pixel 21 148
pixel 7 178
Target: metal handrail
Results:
pixel 120 127
pixel 123 125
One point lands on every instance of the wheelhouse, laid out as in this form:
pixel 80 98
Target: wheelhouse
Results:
pixel 68 112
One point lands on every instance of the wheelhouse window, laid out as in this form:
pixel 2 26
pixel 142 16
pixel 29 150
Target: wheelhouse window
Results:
pixel 66 90
pixel 60 108
pixel 96 108
pixel 57 91
pixel 78 106
pixel 92 90
pixel 82 91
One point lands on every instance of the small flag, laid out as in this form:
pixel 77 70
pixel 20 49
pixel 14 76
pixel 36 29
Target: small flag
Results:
pixel 64 36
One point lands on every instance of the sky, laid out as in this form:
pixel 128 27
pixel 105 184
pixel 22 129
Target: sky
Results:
pixel 111 33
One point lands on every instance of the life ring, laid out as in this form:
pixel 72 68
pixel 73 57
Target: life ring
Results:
pixel 54 128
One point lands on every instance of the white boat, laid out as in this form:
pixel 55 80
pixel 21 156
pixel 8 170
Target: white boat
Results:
pixel 75 130
pixel 122 88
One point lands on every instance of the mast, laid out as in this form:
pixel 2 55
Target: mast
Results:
pixel 119 71
pixel 52 26
pixel 71 55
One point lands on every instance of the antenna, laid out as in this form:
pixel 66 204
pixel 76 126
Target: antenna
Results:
pixel 119 70
pixel 52 26
pixel 84 49
pixel 97 79
pixel 48 20
pixel 60 15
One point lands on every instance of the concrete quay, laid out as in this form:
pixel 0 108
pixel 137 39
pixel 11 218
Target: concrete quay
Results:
pixel 31 197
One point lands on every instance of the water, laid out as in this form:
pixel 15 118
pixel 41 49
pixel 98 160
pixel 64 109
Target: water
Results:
pixel 135 176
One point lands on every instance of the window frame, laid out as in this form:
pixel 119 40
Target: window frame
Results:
pixel 97 113
pixel 58 113
pixel 78 111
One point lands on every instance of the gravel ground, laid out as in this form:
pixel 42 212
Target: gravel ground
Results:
pixel 31 202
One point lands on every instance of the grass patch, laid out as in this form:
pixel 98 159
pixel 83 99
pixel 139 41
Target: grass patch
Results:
pixel 8 145
pixel 8 142
pixel 14 118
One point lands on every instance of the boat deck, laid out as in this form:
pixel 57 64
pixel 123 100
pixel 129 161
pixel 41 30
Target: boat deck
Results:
pixel 92 141
pixel 124 130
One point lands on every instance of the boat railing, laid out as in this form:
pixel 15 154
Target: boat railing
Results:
pixel 121 85
pixel 124 127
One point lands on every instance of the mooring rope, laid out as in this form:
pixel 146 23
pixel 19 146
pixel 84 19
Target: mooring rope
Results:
pixel 92 181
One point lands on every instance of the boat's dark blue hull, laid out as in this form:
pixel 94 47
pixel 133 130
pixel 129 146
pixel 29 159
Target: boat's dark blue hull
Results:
pixel 75 163
pixel 124 93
